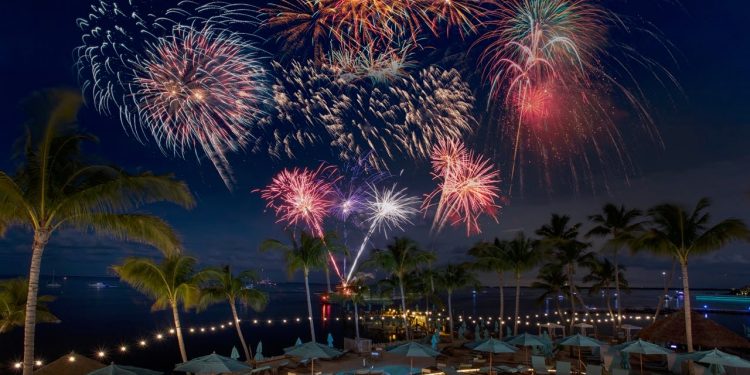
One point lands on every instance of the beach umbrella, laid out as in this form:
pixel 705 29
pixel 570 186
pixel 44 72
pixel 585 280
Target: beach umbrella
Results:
pixel 716 357
pixel 628 328
pixel 547 349
pixel 497 326
pixel 493 346
pixel 298 342
pixel 312 351
pixel 508 331
pixel 579 341
pixel 329 339
pixel 235 354
pixel 642 348
pixel 259 351
pixel 477 334
pixel 412 350
pixel 584 327
pixel 114 369
pixel 526 340
pixel 435 340
pixel 461 332
pixel 211 364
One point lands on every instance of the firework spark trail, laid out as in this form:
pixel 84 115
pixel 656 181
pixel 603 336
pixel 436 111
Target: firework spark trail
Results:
pixel 386 209
pixel 179 75
pixel 302 196
pixel 468 187
pixel 357 118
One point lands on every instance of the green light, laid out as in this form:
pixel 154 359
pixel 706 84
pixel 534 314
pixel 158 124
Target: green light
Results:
pixel 730 299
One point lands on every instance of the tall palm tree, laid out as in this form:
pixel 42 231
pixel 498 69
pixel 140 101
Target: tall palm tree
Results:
pixel 454 277
pixel 13 293
pixel 171 283
pixel 56 187
pixel 551 280
pixel 561 238
pixel 522 254
pixel 620 226
pixel 490 257
pixel 604 275
pixel 306 252
pixel 355 292
pixel 398 259
pixel 222 286
pixel 679 233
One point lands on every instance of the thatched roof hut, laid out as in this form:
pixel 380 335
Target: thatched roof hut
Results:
pixel 706 333
pixel 70 364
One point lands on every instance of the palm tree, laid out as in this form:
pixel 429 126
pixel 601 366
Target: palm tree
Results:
pixel 522 254
pixel 13 293
pixel 221 285
pixel 562 239
pixel 171 283
pixel 398 259
pixel 56 188
pixel 355 292
pixel 679 233
pixel 620 226
pixel 603 276
pixel 490 257
pixel 551 280
pixel 452 278
pixel 305 253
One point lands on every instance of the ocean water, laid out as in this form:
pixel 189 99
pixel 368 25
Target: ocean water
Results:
pixel 104 319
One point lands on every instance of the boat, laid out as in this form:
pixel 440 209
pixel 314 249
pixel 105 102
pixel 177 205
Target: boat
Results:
pixel 53 283
pixel 98 285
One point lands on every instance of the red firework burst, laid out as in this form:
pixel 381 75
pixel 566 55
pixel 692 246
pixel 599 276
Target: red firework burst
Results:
pixel 302 196
pixel 468 187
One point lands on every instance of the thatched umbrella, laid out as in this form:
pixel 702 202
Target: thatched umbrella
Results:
pixel 711 334
pixel 70 364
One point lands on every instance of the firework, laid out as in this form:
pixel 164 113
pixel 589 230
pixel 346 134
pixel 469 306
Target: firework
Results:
pixel 301 24
pixel 302 196
pixel 549 63
pixel 200 89
pixel 353 62
pixel 468 187
pixel 177 75
pixel 386 209
pixel 366 118
pixel 459 14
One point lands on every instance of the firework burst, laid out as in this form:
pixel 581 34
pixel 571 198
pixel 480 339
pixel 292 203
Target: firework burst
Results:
pixel 549 63
pixel 200 89
pixel 302 196
pixel 462 15
pixel 366 118
pixel 386 209
pixel 467 189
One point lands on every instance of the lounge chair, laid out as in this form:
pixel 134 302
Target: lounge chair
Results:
pixel 540 367
pixel 620 371
pixel 593 370
pixel 562 368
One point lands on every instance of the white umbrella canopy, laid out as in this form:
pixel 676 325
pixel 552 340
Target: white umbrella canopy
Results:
pixel 641 348
pixel 211 364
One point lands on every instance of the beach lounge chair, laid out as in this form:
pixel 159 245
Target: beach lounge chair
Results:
pixel 593 370
pixel 562 368
pixel 620 371
pixel 538 364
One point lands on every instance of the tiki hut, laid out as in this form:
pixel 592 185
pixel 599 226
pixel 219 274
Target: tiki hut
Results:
pixel 70 364
pixel 707 334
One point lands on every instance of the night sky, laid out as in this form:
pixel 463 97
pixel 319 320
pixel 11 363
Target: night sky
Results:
pixel 705 128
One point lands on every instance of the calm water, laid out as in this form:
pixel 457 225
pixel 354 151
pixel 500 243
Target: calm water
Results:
pixel 105 319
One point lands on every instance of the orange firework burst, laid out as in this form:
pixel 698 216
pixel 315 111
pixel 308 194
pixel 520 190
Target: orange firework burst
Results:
pixel 468 187
pixel 459 14
pixel 302 196
pixel 302 24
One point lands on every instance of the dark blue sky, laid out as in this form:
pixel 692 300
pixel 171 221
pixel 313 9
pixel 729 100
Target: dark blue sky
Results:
pixel 705 130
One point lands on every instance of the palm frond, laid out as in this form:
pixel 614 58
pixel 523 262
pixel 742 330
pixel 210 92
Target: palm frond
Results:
pixel 143 228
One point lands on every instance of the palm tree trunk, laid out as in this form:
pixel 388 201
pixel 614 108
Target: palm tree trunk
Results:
pixel 41 237
pixel 686 304
pixel 615 324
pixel 328 278
pixel 403 307
pixel 502 302
pixel 178 330
pixel 309 306
pixel 248 354
pixel 356 323
pixel 617 291
pixel 571 288
pixel 667 283
pixel 518 303
pixel 450 311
